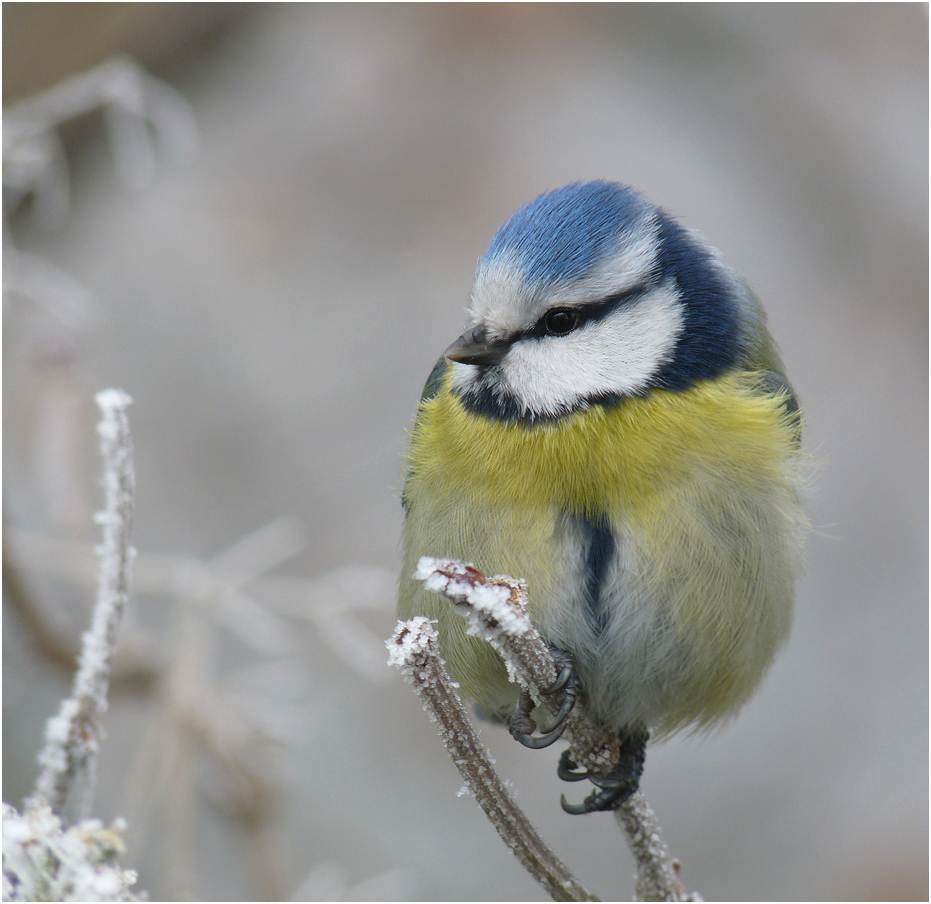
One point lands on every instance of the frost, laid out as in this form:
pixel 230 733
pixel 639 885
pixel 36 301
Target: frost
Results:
pixel 414 649
pixel 410 640
pixel 42 861
pixel 72 737
pixel 432 684
pixel 494 600
pixel 495 609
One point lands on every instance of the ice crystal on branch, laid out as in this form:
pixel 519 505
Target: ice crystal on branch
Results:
pixel 72 737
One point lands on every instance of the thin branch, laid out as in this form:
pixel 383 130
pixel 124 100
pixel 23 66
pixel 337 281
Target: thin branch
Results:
pixel 134 668
pixel 496 609
pixel 50 639
pixel 657 871
pixel 414 649
pixel 72 737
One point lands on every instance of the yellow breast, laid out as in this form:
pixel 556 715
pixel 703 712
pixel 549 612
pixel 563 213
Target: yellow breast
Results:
pixel 604 459
pixel 700 488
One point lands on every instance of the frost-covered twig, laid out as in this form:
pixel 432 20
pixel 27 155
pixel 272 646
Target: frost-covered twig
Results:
pixel 657 871
pixel 72 737
pixel 496 609
pixel 226 715
pixel 414 648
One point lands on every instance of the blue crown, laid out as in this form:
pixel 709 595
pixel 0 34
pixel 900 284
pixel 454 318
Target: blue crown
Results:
pixel 563 234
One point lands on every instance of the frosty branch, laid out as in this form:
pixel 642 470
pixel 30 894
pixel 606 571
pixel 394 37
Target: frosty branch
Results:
pixel 43 858
pixel 73 736
pixel 496 610
pixel 414 648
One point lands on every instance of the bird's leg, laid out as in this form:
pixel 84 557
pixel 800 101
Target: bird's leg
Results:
pixel 613 789
pixel 566 686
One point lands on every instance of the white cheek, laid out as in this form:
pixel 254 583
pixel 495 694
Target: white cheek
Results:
pixel 462 376
pixel 616 355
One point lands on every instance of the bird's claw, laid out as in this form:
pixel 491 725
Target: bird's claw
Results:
pixel 612 789
pixel 568 770
pixel 566 686
pixel 597 801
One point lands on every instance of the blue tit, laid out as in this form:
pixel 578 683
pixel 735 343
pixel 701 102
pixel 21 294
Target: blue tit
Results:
pixel 616 427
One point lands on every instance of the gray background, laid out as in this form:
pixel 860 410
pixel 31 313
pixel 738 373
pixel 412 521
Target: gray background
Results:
pixel 275 307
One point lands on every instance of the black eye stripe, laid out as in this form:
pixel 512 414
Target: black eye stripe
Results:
pixel 586 313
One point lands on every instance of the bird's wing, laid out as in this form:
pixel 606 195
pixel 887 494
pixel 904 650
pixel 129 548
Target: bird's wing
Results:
pixel 431 388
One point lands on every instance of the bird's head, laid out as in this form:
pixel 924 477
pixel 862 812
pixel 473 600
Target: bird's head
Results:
pixel 590 294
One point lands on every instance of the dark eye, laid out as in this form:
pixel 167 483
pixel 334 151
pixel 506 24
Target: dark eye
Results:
pixel 560 321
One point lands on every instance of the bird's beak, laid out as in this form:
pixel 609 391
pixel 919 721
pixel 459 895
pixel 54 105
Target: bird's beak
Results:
pixel 473 347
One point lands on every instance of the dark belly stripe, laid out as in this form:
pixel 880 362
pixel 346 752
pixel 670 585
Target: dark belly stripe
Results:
pixel 598 550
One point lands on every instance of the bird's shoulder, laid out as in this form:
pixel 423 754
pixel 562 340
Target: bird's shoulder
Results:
pixel 761 354
pixel 430 390
pixel 435 380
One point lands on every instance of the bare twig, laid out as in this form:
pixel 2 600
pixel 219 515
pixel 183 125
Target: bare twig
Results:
pixel 414 649
pixel 496 609
pixel 50 639
pixel 72 737
pixel 134 668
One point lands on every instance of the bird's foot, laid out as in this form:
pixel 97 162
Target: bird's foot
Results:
pixel 566 689
pixel 613 789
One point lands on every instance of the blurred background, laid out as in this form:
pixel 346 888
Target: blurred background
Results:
pixel 273 289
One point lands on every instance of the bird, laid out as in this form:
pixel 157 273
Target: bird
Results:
pixel 615 426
